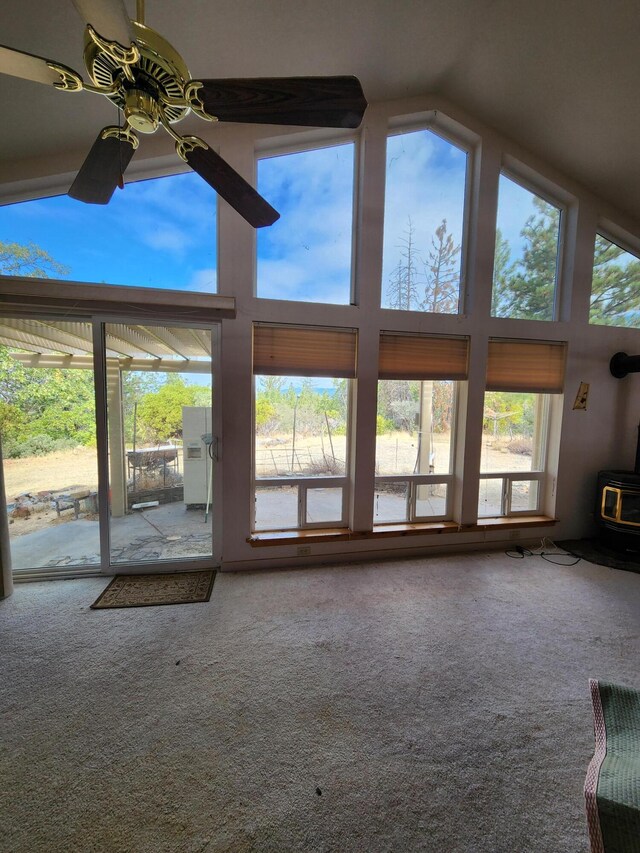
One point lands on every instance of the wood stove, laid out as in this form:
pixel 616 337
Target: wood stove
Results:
pixel 618 494
pixel 618 509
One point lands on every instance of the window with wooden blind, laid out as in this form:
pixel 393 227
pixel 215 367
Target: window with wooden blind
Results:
pixel 304 351
pixel 422 357
pixel 532 366
pixel 415 428
pixel 521 377
pixel 302 418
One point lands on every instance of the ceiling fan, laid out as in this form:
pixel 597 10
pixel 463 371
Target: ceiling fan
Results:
pixel 139 71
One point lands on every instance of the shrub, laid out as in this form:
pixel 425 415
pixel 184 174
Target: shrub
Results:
pixel 36 445
pixel 384 425
pixel 523 446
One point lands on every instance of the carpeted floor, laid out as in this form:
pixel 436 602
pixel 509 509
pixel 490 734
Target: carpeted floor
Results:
pixel 434 705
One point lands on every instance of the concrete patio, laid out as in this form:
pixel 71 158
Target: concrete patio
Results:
pixel 169 531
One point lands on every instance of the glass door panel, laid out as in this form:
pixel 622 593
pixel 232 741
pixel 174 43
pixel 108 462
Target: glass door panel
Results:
pixel 161 441
pixel 47 418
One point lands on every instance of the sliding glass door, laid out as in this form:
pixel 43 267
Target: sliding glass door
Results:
pixel 110 441
pixel 161 442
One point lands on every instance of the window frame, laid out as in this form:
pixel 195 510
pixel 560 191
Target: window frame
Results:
pixel 298 144
pixel 303 484
pixel 138 172
pixel 508 478
pixel 415 480
pixel 535 185
pixel 442 127
pixel 538 474
pixel 623 240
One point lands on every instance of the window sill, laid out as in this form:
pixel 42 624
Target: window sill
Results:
pixel 386 531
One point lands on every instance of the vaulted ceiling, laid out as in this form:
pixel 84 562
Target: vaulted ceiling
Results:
pixel 559 78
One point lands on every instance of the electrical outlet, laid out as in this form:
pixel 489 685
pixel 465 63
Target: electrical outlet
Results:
pixel 514 534
pixel 304 550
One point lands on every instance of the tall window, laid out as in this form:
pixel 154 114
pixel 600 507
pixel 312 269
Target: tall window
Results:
pixel 423 223
pixel 615 287
pixel 525 268
pixel 306 254
pixel 157 233
pixel 417 395
pixel 521 376
pixel 302 407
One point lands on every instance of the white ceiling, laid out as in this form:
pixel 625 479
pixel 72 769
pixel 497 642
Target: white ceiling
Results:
pixel 560 77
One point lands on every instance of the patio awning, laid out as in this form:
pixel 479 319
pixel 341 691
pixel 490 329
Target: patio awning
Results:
pixel 69 344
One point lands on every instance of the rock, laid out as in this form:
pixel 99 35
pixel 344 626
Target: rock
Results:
pixel 21 512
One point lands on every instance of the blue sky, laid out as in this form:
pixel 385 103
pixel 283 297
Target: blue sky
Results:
pixel 155 233
pixel 306 254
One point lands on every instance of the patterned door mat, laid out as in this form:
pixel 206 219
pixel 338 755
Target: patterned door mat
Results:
pixel 150 590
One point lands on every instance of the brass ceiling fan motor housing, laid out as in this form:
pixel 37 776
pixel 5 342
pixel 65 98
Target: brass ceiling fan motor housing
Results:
pixel 159 71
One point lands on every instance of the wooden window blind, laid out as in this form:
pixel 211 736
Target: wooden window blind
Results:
pixel 304 351
pixel 536 366
pixel 422 357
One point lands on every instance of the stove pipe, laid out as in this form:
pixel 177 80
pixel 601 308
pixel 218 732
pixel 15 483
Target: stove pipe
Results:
pixel 621 364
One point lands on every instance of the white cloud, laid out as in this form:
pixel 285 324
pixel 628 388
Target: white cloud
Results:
pixel 204 281
pixel 306 255
pixel 425 184
pixel 168 238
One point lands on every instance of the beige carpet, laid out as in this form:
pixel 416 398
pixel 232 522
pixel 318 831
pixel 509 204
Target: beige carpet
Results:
pixel 429 705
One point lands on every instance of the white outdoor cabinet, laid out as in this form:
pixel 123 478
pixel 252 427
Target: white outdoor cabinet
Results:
pixel 198 447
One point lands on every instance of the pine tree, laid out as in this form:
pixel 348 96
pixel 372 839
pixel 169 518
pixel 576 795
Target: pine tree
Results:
pixel 402 289
pixel 442 273
pixel 503 269
pixel 533 284
pixel 615 289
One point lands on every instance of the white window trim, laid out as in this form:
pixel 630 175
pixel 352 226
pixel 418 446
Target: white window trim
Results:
pixel 305 484
pixel 440 126
pixel 413 481
pixel 281 148
pixel 537 185
pixel 508 478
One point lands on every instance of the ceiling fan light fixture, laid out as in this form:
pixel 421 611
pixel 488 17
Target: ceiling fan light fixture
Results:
pixel 141 111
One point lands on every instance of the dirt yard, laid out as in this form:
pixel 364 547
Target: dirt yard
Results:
pixel 60 471
pixel 65 470
pixel 395 454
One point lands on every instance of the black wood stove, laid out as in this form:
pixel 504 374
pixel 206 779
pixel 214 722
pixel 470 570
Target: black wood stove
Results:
pixel 618 494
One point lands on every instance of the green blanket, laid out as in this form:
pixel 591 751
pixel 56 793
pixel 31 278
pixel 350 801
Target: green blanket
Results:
pixel 612 786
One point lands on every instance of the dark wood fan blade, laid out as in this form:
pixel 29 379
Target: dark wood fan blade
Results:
pixel 309 101
pixel 102 171
pixel 232 187
pixel 28 66
pixel 108 18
